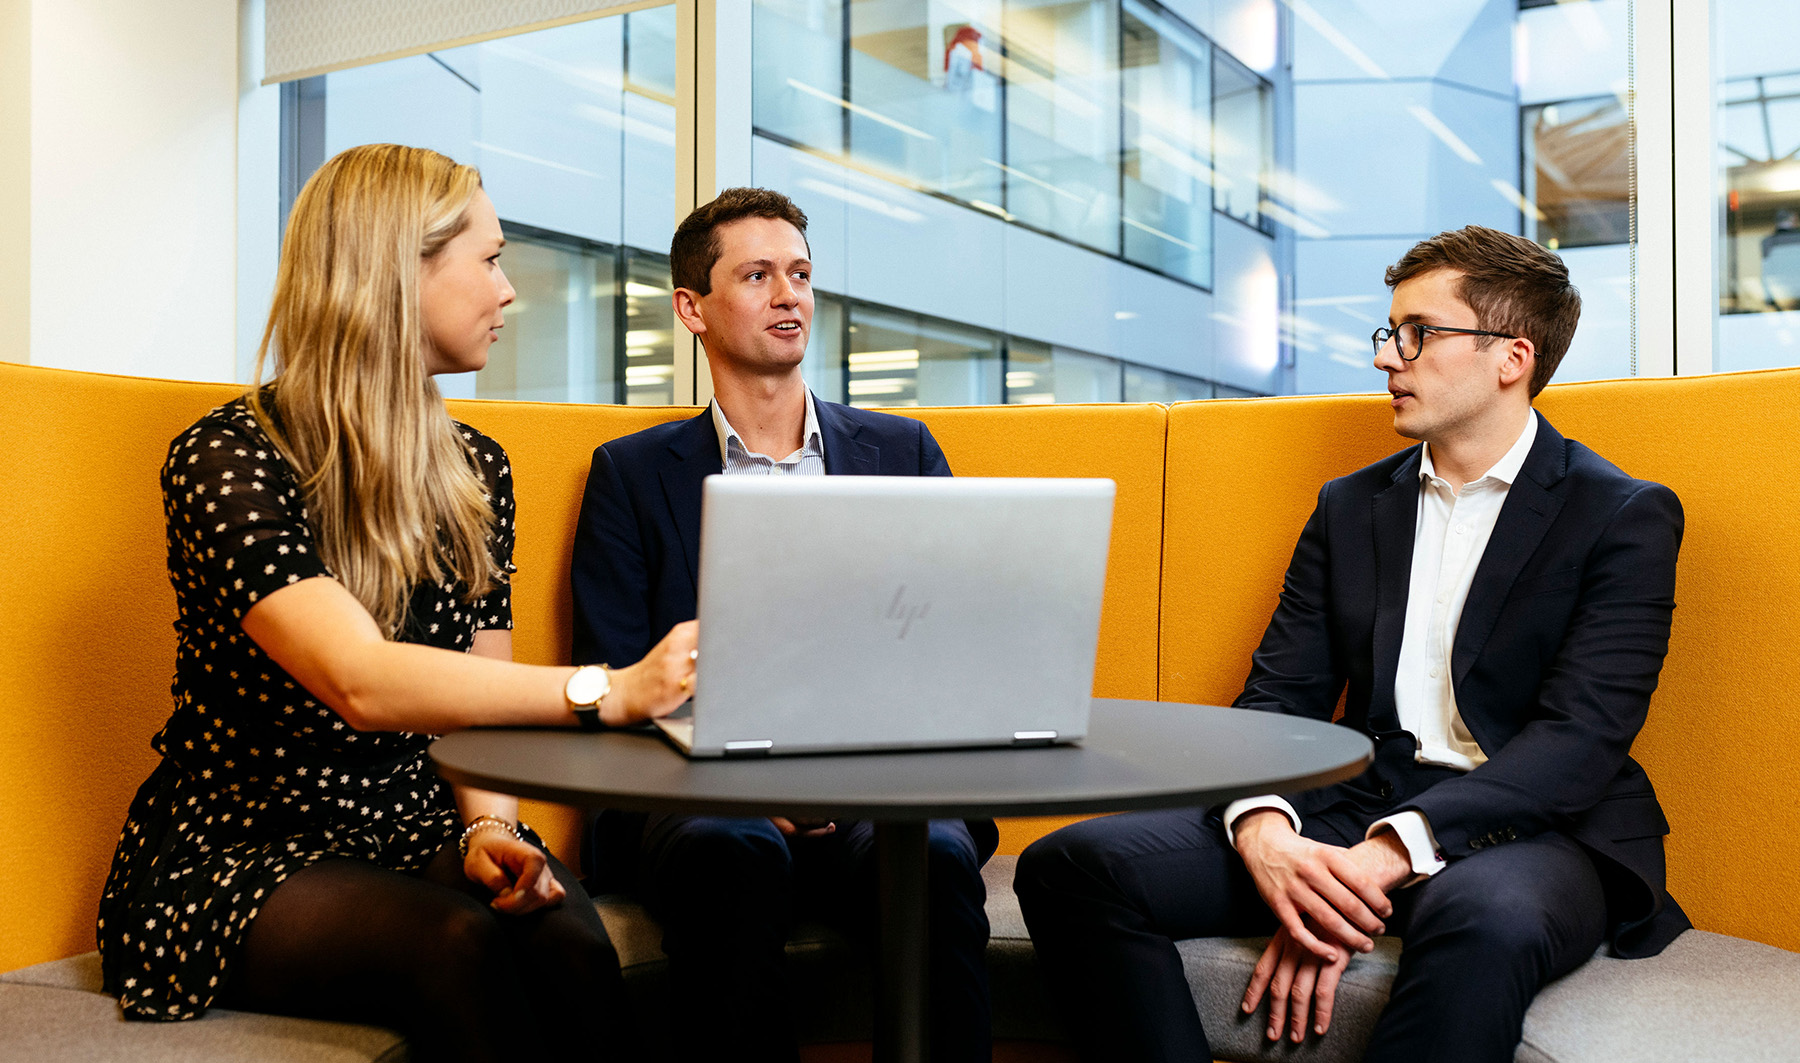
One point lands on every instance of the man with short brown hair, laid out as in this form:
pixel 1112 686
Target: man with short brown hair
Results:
pixel 1496 601
pixel 727 889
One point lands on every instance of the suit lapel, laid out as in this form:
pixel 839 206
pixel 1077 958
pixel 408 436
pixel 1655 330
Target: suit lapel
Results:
pixel 1531 507
pixel 845 455
pixel 693 455
pixel 1396 518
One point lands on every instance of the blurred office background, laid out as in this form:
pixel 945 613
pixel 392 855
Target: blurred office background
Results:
pixel 1012 201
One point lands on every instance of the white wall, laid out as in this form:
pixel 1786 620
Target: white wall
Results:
pixel 133 186
pixel 15 179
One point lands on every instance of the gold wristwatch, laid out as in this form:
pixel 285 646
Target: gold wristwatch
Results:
pixel 585 690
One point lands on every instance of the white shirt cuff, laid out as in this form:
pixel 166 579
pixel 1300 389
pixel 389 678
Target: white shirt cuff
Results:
pixel 1235 810
pixel 1414 832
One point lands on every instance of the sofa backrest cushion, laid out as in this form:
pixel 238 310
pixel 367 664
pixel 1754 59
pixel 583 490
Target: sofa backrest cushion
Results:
pixel 87 626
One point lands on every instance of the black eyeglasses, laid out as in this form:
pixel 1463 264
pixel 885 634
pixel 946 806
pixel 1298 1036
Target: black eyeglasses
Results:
pixel 1409 337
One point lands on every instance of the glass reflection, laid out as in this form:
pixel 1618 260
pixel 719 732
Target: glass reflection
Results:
pixel 1062 118
pixel 1242 141
pixel 1167 175
pixel 648 341
pixel 924 101
pixel 558 340
pixel 1042 373
pixel 901 359
pixel 1575 172
pixel 1758 159
pixel 797 79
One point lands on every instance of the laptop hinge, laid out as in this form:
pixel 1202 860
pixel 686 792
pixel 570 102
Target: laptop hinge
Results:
pixel 1033 738
pixel 759 747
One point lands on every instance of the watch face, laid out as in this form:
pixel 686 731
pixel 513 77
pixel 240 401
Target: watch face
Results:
pixel 587 686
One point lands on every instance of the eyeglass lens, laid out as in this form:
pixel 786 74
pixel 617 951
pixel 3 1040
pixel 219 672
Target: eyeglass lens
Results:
pixel 1409 340
pixel 1406 337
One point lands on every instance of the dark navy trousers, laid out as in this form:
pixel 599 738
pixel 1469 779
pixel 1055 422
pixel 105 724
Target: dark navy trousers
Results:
pixel 726 891
pixel 1106 899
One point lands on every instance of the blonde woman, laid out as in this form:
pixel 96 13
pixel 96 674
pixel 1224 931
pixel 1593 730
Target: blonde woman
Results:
pixel 340 551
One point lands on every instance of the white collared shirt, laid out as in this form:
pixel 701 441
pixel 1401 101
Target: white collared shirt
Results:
pixel 1450 535
pixel 738 460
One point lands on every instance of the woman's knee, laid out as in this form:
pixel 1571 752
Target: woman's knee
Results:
pixel 575 952
pixel 460 934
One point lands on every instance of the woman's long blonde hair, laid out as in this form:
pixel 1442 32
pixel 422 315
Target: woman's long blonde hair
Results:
pixel 386 477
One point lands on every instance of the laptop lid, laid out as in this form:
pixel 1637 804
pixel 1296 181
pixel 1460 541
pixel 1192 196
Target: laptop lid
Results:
pixel 886 612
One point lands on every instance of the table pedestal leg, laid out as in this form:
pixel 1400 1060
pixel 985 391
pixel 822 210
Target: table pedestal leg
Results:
pixel 900 861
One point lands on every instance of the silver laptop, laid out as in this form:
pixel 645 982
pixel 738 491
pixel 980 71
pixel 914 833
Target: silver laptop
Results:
pixel 846 613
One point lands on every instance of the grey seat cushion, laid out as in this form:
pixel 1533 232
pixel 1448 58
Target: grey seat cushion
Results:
pixel 55 1011
pixel 1707 997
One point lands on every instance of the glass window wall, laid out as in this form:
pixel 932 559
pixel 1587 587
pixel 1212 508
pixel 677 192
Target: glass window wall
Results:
pixel 1062 118
pixel 1011 198
pixel 1758 128
pixel 797 85
pixel 1143 384
pixel 901 359
pixel 1575 169
pixel 1167 174
pixel 564 311
pixel 923 100
pixel 1043 373
pixel 648 339
pixel 573 130
pixel 1243 144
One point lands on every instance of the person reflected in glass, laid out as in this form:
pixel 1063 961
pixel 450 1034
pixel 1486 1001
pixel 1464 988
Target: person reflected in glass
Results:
pixel 962 57
pixel 727 889
pixel 341 554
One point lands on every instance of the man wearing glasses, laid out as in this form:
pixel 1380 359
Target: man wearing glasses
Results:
pixel 1497 601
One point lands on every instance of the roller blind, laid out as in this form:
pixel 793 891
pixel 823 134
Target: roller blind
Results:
pixel 302 38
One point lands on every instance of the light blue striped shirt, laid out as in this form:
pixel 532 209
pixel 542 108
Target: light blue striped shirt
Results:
pixel 738 460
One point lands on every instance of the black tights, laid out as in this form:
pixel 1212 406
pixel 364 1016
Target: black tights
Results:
pixel 344 939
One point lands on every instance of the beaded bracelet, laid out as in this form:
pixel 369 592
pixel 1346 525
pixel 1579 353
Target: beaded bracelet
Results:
pixel 481 823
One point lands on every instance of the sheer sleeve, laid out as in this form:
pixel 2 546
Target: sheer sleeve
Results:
pixel 237 525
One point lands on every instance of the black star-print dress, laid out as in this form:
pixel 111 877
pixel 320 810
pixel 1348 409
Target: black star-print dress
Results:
pixel 260 779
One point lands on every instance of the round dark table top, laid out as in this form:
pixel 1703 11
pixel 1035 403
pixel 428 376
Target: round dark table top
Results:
pixel 1138 754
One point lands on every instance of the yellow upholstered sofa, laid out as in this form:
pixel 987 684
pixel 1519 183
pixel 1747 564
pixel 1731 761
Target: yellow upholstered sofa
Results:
pixel 1211 497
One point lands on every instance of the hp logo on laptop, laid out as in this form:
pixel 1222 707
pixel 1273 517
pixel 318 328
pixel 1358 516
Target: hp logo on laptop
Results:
pixel 906 612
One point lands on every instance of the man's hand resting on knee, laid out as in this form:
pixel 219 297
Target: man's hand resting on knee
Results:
pixel 1302 964
pixel 1343 891
pixel 1297 982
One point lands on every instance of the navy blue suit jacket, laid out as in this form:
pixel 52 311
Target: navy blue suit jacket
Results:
pixel 1556 656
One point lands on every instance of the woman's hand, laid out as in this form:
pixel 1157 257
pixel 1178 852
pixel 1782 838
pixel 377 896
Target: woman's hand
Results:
pixel 515 870
pixel 658 684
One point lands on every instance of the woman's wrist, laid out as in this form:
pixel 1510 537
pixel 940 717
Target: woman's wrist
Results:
pixel 618 708
pixel 481 824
